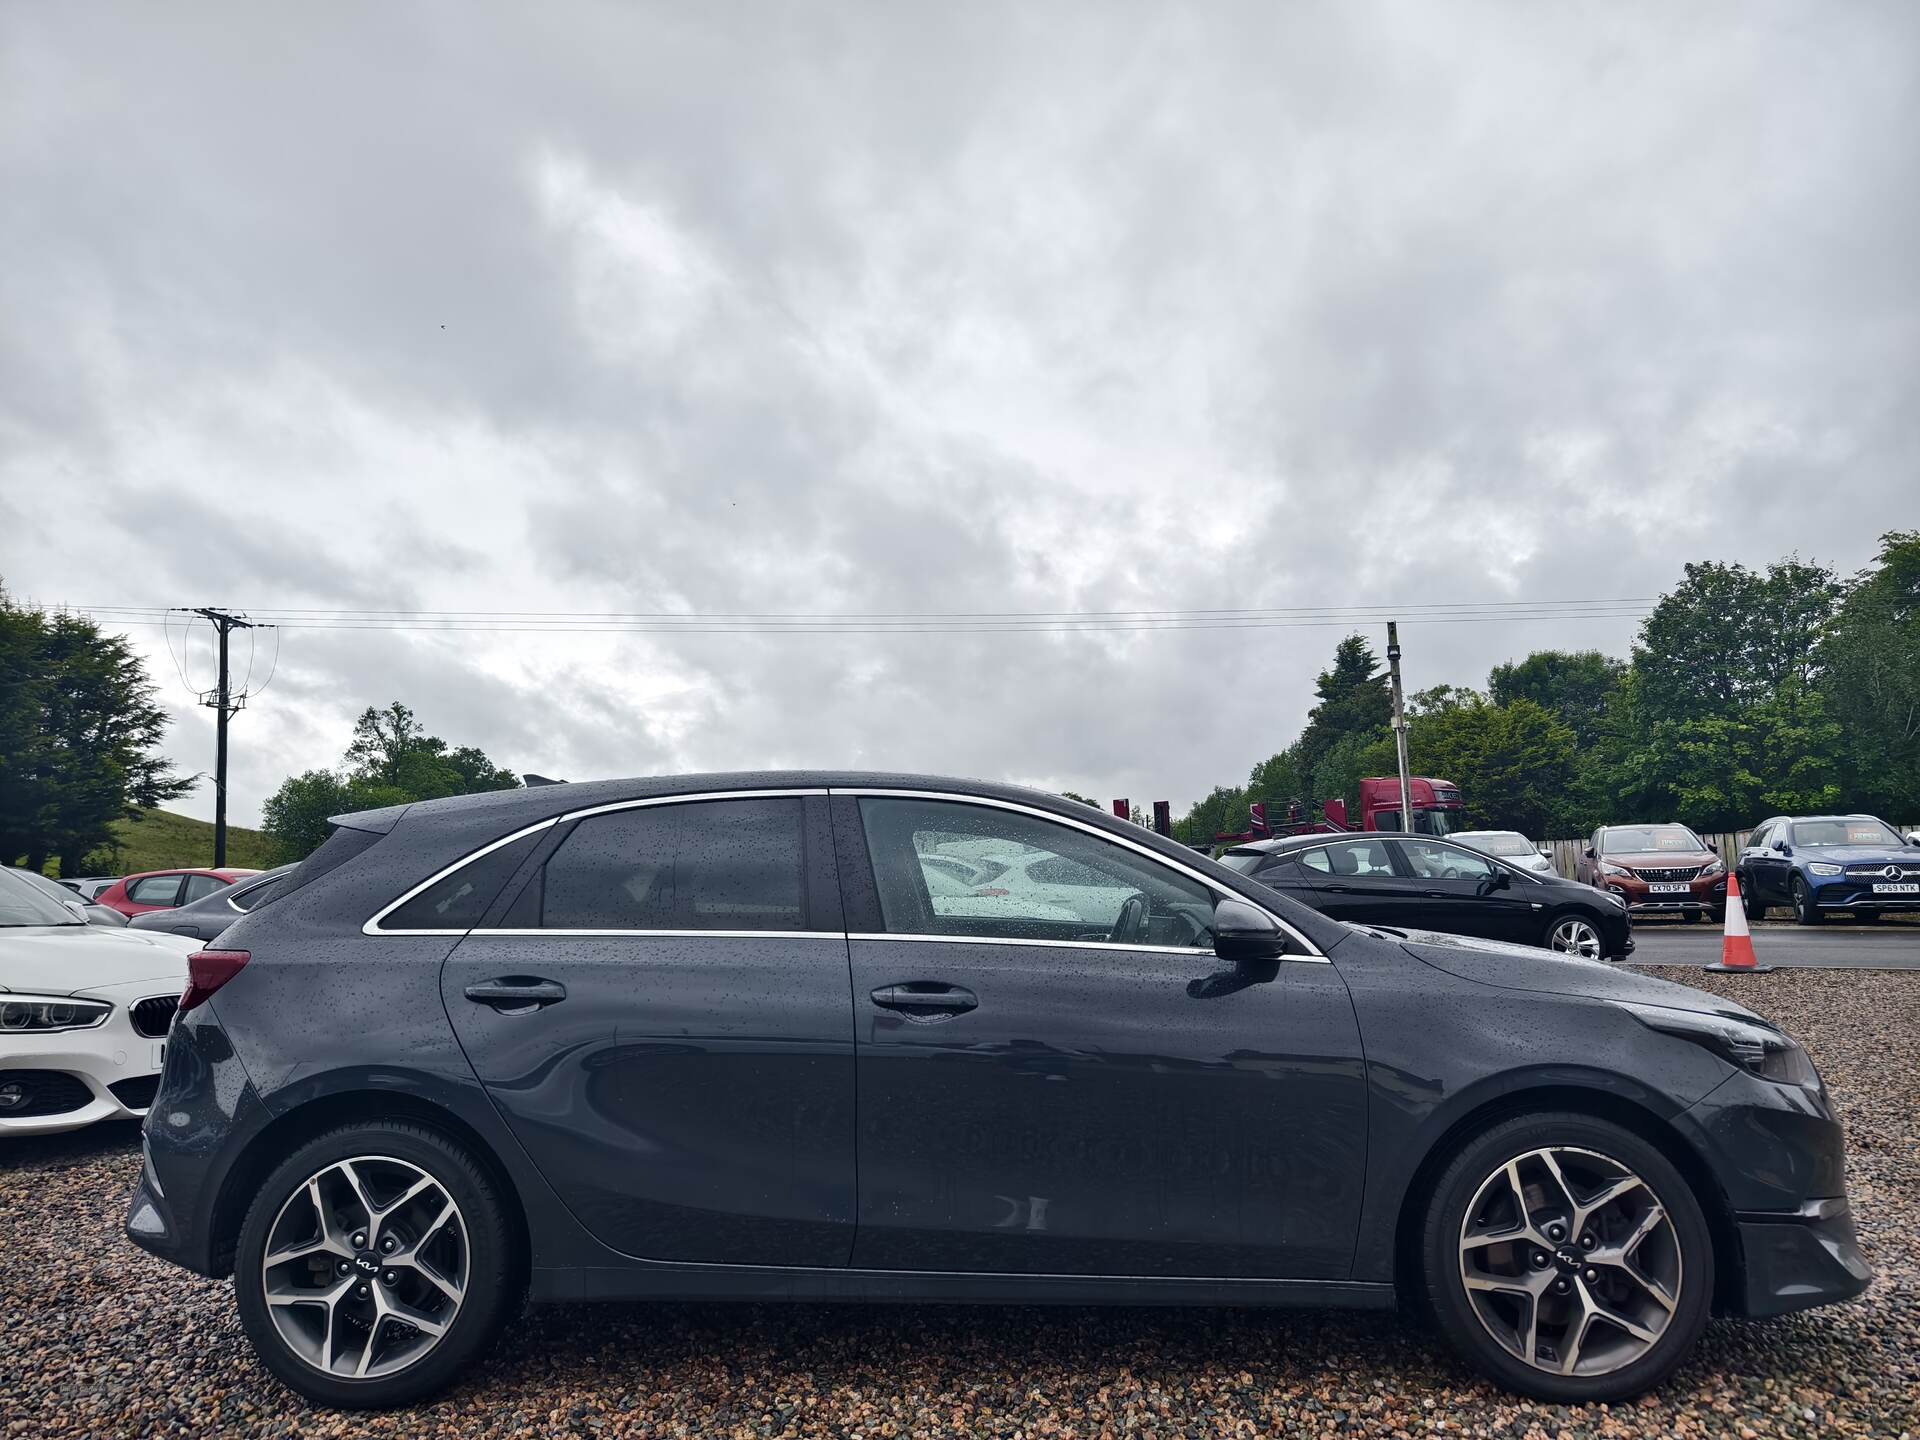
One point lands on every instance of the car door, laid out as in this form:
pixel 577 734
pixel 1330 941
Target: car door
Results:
pixel 1050 1093
pixel 1756 862
pixel 1460 892
pixel 659 1008
pixel 1356 880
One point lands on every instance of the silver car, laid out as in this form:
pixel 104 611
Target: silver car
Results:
pixel 1509 845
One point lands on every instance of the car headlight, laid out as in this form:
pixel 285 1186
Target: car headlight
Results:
pixel 1615 896
pixel 1822 867
pixel 1756 1048
pixel 41 1013
pixel 1610 869
pixel 1716 866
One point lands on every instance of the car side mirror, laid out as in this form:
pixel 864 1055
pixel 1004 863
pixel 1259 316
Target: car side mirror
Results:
pixel 1782 847
pixel 1913 837
pixel 1246 934
pixel 78 907
pixel 1500 881
pixel 1588 852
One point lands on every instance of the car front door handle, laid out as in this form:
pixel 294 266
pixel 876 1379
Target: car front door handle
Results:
pixel 1341 888
pixel 516 995
pixel 925 997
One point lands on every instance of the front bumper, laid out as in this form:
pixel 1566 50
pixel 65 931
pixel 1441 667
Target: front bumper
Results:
pixel 105 1072
pixel 1845 892
pixel 1797 1261
pixel 1703 896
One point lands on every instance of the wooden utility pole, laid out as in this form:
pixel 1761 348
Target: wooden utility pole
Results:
pixel 224 704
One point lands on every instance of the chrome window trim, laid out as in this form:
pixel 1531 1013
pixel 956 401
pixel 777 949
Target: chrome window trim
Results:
pixel 373 926
pixel 1309 951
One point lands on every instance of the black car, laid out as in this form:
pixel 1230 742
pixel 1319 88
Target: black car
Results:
pixel 718 1037
pixel 205 918
pixel 1419 882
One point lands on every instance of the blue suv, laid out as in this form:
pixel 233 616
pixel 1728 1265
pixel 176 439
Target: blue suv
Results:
pixel 1822 863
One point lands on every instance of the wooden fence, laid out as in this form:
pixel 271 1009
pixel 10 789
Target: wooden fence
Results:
pixel 1564 853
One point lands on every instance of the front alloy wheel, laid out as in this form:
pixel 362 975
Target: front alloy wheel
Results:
pixel 373 1265
pixel 1574 935
pixel 1570 1261
pixel 1567 1258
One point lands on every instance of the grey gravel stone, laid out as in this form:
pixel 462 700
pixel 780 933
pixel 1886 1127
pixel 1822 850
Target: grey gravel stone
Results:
pixel 98 1339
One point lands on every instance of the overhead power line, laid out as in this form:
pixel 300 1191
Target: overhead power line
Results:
pixel 576 622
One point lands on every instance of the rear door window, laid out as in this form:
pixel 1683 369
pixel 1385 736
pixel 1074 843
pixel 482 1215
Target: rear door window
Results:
pixel 702 865
pixel 201 886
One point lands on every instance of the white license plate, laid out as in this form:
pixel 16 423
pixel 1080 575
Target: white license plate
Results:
pixel 1668 887
pixel 1908 889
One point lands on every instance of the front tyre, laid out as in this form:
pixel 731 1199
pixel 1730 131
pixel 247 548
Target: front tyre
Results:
pixel 1566 1258
pixel 374 1264
pixel 1804 910
pixel 1574 934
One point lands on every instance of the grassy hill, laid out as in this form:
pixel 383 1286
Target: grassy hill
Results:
pixel 161 840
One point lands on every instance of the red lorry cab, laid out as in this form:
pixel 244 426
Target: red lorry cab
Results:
pixel 1435 804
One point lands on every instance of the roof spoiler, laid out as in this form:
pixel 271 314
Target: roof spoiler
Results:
pixel 532 779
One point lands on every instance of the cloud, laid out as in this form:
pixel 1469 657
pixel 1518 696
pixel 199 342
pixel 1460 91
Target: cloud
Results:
pixel 640 309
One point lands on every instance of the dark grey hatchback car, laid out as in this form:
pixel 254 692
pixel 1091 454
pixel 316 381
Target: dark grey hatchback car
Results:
pixel 872 1037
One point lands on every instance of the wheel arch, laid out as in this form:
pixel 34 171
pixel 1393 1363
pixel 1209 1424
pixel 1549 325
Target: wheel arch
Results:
pixel 1728 1259
pixel 291 1129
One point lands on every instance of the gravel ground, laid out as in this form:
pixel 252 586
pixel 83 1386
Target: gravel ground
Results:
pixel 99 1339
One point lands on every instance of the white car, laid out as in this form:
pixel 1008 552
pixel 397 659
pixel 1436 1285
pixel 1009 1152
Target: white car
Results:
pixel 84 1012
pixel 1508 845
pixel 953 891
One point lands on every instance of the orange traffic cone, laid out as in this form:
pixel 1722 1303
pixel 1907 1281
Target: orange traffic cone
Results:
pixel 1736 946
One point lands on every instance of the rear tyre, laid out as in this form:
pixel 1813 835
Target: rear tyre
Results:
pixel 1804 909
pixel 1750 901
pixel 1565 1257
pixel 374 1264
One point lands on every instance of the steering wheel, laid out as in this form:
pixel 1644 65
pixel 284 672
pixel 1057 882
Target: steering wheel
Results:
pixel 1130 925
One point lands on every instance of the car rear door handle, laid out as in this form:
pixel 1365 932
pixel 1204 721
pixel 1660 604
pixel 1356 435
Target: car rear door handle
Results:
pixel 925 996
pixel 517 995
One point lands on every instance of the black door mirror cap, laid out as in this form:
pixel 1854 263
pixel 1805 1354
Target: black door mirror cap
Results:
pixel 1500 881
pixel 1243 932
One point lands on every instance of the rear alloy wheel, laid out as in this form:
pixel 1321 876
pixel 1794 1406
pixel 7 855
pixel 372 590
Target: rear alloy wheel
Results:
pixel 1804 910
pixel 373 1265
pixel 1574 935
pixel 1566 1257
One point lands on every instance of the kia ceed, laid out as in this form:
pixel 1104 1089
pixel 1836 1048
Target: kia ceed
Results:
pixel 720 1037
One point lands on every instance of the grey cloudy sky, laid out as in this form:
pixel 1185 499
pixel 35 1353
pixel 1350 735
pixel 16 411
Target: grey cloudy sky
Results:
pixel 902 308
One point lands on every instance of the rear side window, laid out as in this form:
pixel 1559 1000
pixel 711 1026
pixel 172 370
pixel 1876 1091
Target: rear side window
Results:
pixel 460 900
pixel 253 899
pixel 201 886
pixel 702 865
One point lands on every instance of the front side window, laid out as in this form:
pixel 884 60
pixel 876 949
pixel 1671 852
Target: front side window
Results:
pixel 154 890
pixel 1055 882
pixel 700 865
pixel 1444 862
pixel 1350 857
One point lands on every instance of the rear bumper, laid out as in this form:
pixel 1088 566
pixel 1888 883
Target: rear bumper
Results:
pixel 1798 1260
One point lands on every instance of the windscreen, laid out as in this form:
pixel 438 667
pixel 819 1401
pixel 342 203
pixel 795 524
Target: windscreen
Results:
pixel 1817 833
pixel 1504 845
pixel 21 903
pixel 1242 860
pixel 1644 839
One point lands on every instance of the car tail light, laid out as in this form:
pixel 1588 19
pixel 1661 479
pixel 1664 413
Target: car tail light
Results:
pixel 207 971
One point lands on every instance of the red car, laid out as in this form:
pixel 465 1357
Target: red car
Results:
pixel 1656 869
pixel 164 889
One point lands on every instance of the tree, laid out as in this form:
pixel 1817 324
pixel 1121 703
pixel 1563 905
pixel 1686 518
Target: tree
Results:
pixel 1576 685
pixel 1724 720
pixel 1223 812
pixel 1355 705
pixel 390 760
pixel 1871 684
pixel 79 728
pixel 1515 764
